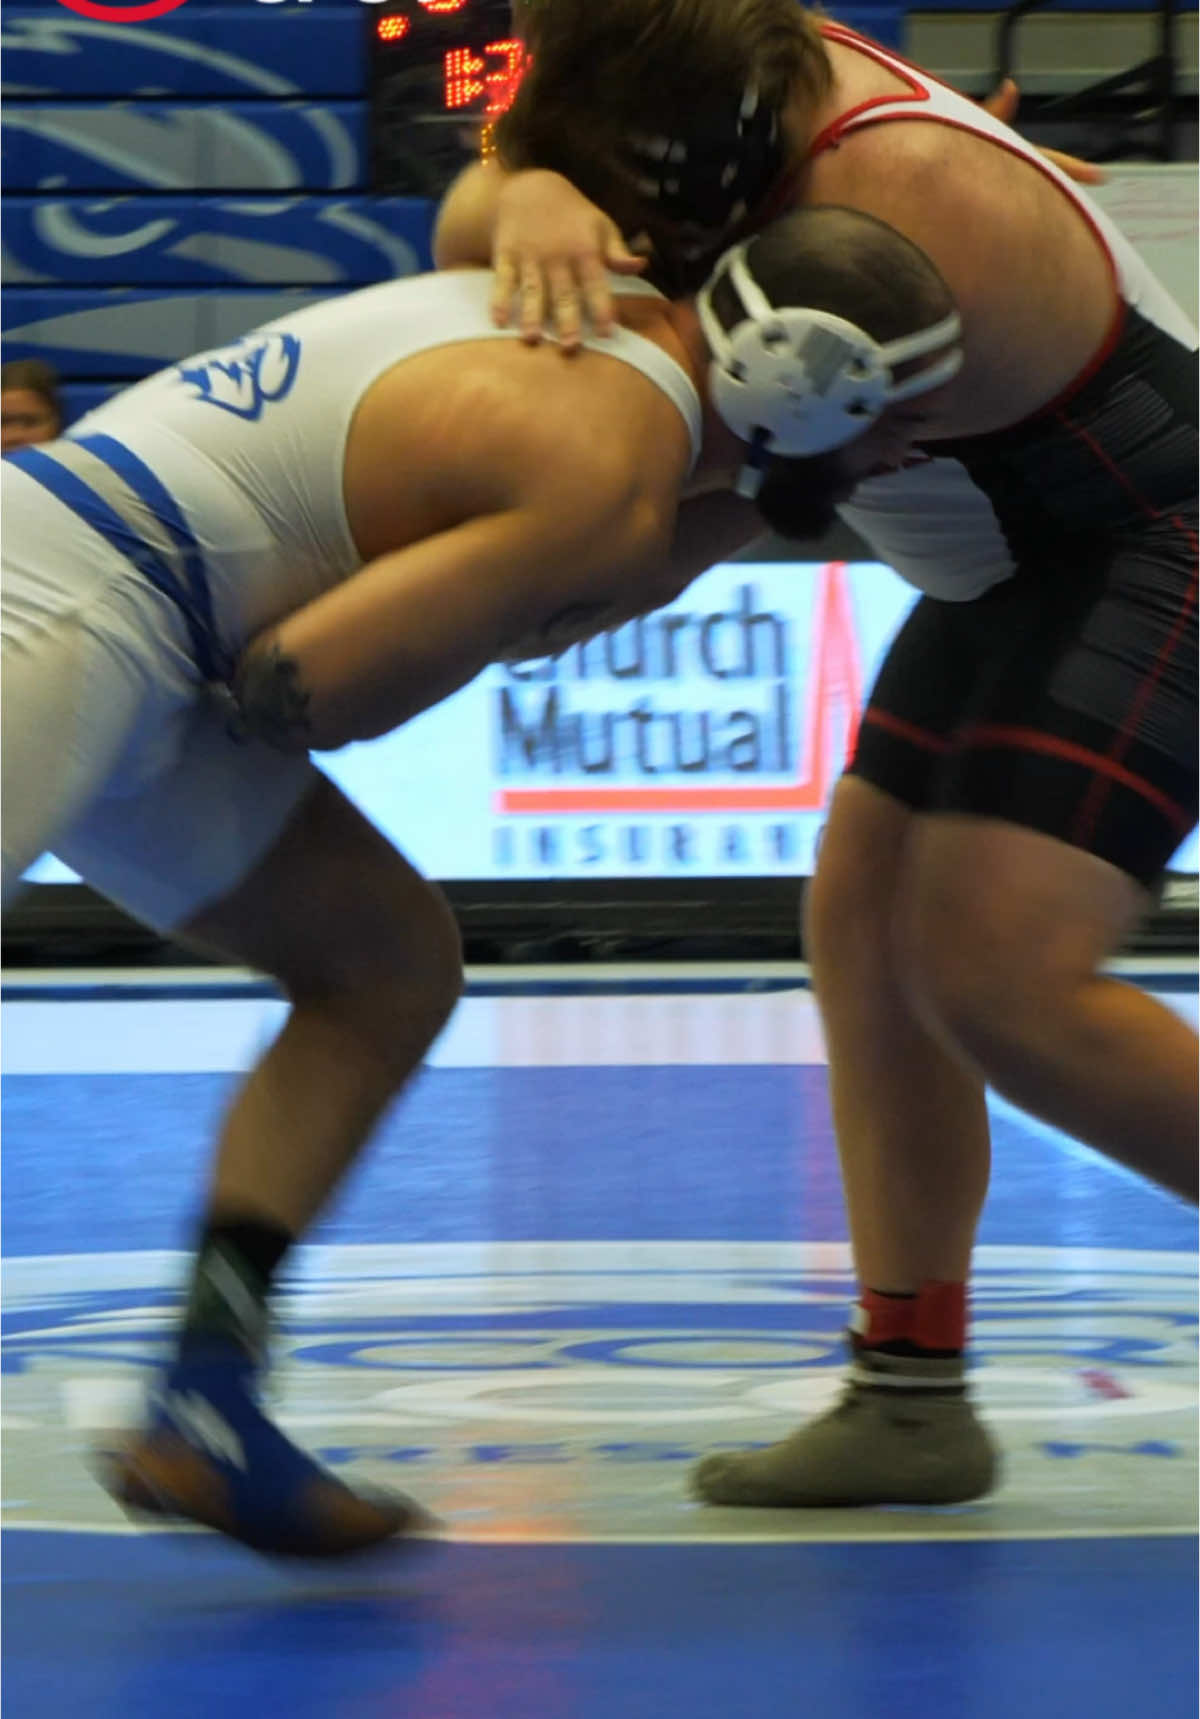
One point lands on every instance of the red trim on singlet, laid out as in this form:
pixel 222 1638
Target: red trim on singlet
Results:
pixel 1089 812
pixel 1030 740
pixel 1114 471
pixel 1105 769
pixel 906 730
pixel 834 133
pixel 855 39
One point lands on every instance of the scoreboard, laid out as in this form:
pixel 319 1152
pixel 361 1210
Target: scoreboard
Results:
pixel 440 73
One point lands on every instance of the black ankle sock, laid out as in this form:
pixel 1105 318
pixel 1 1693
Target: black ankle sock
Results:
pixel 916 1351
pixel 235 1264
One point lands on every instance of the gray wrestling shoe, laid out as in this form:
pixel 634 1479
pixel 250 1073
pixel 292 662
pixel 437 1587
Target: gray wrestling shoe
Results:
pixel 886 1442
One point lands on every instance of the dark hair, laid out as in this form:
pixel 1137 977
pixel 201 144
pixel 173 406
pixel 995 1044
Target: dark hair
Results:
pixel 659 62
pixel 37 377
pixel 603 72
pixel 850 264
pixel 799 499
pixel 854 266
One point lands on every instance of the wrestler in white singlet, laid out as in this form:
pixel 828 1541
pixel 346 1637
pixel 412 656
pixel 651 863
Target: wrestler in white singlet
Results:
pixel 143 550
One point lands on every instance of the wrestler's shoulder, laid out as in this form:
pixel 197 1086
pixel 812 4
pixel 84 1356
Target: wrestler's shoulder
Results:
pixel 914 160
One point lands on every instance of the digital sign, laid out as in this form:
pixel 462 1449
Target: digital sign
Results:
pixel 704 740
pixel 441 73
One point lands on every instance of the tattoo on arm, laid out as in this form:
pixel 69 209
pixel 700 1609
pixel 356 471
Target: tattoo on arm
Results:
pixel 570 626
pixel 271 699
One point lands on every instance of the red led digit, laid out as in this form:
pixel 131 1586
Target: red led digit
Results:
pixel 463 84
pixel 467 78
pixel 502 84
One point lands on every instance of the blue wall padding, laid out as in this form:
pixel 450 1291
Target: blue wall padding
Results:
pixel 195 146
pixel 208 241
pixel 200 50
pixel 80 397
pixel 123 334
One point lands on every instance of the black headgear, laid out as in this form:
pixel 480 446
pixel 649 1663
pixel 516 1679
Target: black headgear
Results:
pixel 711 178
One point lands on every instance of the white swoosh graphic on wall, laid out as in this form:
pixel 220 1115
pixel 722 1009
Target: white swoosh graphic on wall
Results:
pixel 53 37
pixel 136 155
pixel 57 226
pixel 398 251
pixel 260 259
pixel 235 144
pixel 165 328
pixel 343 157
pixel 165 149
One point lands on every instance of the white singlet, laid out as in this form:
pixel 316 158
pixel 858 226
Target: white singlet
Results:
pixel 250 440
pixel 143 549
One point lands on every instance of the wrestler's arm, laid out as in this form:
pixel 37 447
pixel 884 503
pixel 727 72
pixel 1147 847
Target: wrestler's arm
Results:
pixel 416 625
pixel 549 247
pixel 466 217
pixel 567 526
pixel 709 528
pixel 552 248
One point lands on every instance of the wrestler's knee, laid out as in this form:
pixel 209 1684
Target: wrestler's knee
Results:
pixel 398 986
pixel 344 924
pixel 998 927
pixel 964 974
pixel 850 903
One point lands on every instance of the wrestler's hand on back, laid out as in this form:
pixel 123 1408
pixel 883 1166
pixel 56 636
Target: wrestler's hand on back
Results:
pixel 552 252
pixel 553 249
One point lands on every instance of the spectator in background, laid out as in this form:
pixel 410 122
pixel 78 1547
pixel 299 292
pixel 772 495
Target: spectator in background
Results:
pixel 30 406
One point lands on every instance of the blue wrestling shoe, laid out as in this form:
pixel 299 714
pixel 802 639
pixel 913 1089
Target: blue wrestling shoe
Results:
pixel 210 1456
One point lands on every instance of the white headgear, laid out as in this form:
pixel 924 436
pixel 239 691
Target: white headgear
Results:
pixel 798 382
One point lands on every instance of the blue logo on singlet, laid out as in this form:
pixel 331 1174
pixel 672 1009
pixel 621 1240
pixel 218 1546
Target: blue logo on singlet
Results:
pixel 248 376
